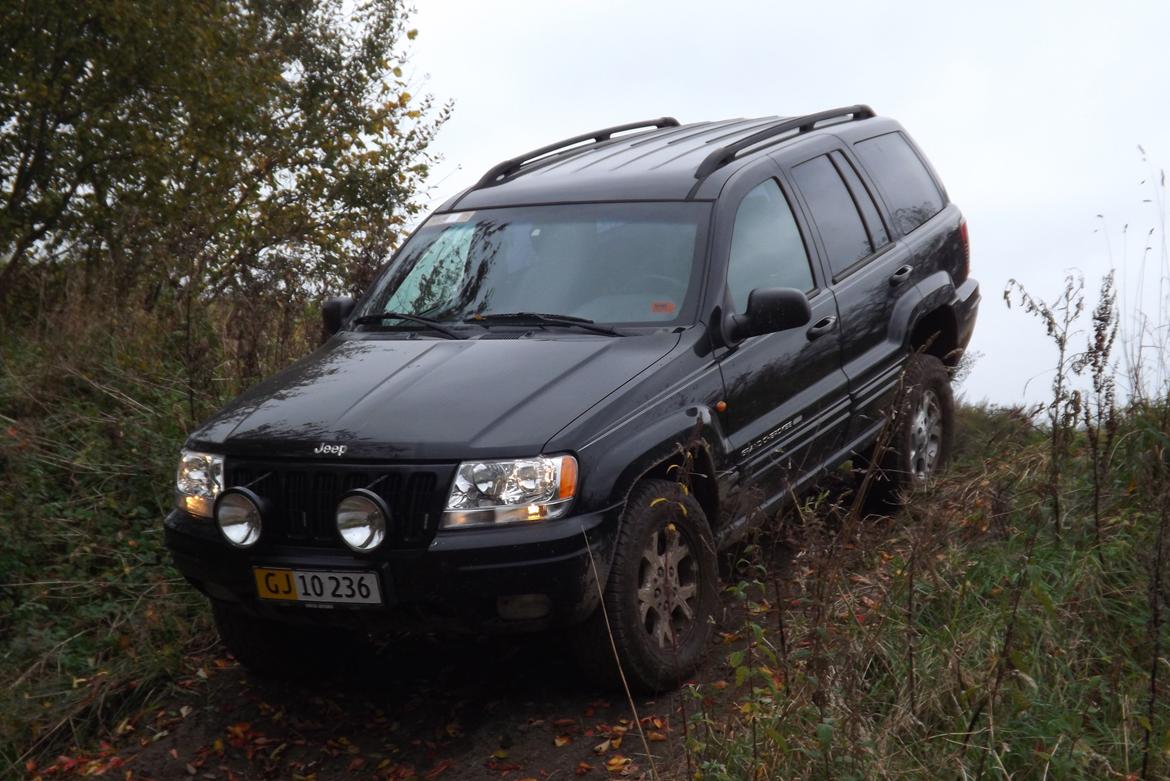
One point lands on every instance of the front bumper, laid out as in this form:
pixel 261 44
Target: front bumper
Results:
pixel 456 583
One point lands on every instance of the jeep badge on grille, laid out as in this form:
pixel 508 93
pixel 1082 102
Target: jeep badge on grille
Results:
pixel 331 450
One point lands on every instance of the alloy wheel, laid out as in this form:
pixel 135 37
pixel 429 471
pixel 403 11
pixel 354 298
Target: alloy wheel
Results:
pixel 668 587
pixel 926 432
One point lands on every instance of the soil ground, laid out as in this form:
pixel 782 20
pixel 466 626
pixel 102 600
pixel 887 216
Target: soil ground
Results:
pixel 427 708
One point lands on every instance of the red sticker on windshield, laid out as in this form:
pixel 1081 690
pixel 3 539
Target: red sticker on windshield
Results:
pixel 662 307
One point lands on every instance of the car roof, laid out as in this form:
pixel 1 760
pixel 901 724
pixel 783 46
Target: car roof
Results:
pixel 668 161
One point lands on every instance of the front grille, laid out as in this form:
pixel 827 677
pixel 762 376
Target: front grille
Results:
pixel 305 497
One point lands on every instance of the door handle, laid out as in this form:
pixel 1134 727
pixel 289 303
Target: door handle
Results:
pixel 901 275
pixel 822 327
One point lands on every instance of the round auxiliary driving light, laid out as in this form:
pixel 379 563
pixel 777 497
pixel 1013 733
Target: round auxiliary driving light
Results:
pixel 362 517
pixel 239 512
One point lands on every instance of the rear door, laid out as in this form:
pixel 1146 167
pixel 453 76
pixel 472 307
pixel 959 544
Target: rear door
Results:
pixel 869 272
pixel 787 397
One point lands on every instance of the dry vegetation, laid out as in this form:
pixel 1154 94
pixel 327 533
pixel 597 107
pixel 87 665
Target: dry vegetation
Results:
pixel 1009 623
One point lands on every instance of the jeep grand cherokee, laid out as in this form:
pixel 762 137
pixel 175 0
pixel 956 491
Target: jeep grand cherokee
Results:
pixel 546 408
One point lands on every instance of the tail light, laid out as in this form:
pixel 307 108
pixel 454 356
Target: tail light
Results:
pixel 966 269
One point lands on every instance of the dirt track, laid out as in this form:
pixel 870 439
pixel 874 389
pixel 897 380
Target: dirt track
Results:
pixel 475 710
pixel 512 708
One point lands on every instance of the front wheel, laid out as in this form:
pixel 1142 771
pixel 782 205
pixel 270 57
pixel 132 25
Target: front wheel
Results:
pixel 659 604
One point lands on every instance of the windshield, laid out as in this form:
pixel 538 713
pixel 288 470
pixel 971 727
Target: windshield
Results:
pixel 627 263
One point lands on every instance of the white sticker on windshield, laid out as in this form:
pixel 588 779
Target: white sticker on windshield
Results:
pixel 456 217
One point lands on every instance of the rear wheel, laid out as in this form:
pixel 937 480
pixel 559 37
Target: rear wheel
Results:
pixel 273 648
pixel 923 432
pixel 661 596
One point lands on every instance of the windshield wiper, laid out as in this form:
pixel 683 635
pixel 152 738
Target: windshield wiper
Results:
pixel 544 319
pixel 434 325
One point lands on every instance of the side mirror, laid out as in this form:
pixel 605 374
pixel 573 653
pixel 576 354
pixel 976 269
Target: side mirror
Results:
pixel 769 309
pixel 334 312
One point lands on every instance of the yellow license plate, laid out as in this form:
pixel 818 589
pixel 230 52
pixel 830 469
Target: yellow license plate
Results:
pixel 335 587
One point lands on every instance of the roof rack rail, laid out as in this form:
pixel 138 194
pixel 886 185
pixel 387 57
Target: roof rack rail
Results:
pixel 724 155
pixel 512 165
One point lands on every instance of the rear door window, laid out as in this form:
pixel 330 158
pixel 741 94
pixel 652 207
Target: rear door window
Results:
pixel 907 187
pixel 833 210
pixel 864 200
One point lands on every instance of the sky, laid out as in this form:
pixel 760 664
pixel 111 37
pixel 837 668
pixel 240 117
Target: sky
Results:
pixel 1031 112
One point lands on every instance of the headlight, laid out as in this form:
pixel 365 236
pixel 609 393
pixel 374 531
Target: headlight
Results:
pixel 239 513
pixel 198 482
pixel 527 489
pixel 361 519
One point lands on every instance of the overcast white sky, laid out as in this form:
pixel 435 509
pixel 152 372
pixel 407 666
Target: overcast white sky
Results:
pixel 1030 111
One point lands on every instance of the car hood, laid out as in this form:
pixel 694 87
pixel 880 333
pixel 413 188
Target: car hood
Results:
pixel 388 397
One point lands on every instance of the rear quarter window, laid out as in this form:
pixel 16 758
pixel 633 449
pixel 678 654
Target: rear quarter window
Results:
pixel 906 186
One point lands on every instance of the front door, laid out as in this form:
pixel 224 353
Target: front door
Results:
pixel 786 394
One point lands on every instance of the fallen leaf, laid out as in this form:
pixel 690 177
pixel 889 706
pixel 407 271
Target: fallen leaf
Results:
pixel 617 763
pixel 562 740
pixel 441 767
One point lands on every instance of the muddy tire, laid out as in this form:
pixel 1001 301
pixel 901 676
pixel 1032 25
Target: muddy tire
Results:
pixel 274 649
pixel 661 596
pixel 923 435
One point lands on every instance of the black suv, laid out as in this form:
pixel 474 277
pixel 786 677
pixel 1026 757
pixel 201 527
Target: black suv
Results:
pixel 547 409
